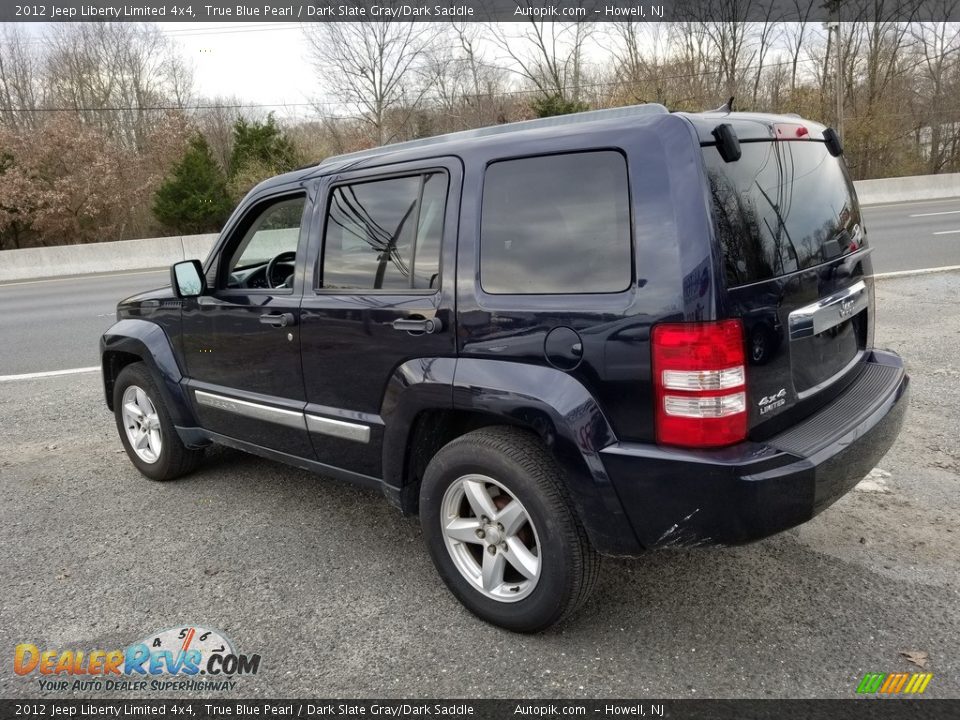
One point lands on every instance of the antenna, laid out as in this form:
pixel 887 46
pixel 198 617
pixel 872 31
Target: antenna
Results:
pixel 727 107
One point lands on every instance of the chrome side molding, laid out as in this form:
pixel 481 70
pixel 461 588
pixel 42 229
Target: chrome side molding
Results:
pixel 338 428
pixel 290 418
pixel 828 312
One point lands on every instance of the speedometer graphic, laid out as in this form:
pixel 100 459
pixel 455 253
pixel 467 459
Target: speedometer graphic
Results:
pixel 188 641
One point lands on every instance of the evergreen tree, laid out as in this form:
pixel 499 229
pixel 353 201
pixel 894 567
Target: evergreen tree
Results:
pixel 260 150
pixel 194 198
pixel 556 104
pixel 261 143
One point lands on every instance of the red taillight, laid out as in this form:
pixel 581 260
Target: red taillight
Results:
pixel 699 372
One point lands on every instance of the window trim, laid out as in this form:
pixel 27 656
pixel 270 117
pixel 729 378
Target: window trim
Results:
pixel 398 174
pixel 630 229
pixel 241 226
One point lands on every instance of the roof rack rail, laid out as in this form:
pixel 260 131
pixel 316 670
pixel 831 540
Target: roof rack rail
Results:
pixel 555 121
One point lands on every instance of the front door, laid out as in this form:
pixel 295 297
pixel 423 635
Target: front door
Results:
pixel 242 339
pixel 382 296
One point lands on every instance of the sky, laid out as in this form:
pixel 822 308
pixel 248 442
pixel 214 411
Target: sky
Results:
pixel 264 63
pixel 269 63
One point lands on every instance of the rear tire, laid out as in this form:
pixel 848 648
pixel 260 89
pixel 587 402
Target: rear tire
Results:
pixel 145 428
pixel 499 488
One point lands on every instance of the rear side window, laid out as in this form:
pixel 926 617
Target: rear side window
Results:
pixel 385 234
pixel 782 207
pixel 556 224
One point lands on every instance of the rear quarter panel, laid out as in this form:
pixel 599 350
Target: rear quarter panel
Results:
pixel 673 275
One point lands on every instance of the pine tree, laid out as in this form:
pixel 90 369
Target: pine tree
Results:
pixel 194 198
pixel 260 150
pixel 556 104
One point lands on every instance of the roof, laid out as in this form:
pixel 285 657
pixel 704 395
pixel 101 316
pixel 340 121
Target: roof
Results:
pixel 630 111
pixel 748 126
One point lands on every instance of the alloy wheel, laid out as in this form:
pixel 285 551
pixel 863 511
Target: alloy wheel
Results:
pixel 142 424
pixel 491 538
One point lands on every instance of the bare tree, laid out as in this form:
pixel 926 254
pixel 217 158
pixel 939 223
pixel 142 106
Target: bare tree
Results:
pixel 19 78
pixel 937 47
pixel 550 56
pixel 796 34
pixel 696 75
pixel 641 61
pixel 373 68
pixel 468 90
pixel 119 77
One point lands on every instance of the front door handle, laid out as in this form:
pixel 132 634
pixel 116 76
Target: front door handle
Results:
pixel 418 325
pixel 278 319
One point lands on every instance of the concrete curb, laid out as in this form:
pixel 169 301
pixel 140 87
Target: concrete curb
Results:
pixel 106 257
pixel 908 189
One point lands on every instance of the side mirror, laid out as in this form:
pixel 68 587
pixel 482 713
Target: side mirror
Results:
pixel 187 280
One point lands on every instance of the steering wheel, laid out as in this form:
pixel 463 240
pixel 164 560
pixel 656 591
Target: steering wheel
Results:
pixel 285 256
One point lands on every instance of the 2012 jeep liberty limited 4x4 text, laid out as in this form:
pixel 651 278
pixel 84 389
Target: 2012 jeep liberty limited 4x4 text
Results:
pixel 554 340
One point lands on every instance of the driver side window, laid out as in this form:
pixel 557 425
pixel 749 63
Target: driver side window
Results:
pixel 265 255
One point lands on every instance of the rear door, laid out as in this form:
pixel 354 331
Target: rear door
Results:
pixel 793 251
pixel 381 296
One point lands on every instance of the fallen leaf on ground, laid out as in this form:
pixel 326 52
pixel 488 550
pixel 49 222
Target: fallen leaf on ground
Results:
pixel 917 657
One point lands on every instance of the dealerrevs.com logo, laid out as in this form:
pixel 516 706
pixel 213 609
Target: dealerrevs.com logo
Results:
pixel 182 658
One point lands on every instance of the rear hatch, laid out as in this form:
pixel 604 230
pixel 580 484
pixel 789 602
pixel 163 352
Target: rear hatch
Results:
pixel 793 252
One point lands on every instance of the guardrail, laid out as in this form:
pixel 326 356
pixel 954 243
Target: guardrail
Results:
pixel 908 189
pixel 61 260
pixel 151 253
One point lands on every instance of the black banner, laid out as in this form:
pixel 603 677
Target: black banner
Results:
pixel 474 10
pixel 864 708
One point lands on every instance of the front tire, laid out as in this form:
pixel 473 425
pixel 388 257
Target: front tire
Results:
pixel 502 533
pixel 145 428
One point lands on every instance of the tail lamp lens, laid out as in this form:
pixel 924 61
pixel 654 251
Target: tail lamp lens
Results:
pixel 700 381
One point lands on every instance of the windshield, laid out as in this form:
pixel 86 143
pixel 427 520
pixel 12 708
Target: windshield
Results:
pixel 782 207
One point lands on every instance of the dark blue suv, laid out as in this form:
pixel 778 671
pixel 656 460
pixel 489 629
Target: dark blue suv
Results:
pixel 554 340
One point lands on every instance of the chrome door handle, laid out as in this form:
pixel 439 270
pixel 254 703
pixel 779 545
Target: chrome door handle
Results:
pixel 278 319
pixel 418 325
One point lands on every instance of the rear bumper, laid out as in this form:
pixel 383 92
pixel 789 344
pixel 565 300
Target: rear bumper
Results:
pixel 676 497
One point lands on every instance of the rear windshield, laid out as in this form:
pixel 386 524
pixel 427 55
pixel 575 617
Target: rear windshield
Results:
pixel 783 206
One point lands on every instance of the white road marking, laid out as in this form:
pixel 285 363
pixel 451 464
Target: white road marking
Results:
pixel 49 373
pixel 891 203
pixel 945 212
pixel 922 271
pixel 947 232
pixel 98 276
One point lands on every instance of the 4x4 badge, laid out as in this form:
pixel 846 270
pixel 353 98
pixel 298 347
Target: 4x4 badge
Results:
pixel 772 402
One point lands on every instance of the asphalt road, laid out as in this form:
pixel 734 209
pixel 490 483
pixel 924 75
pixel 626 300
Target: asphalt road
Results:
pixel 334 589
pixel 911 236
pixel 55 324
